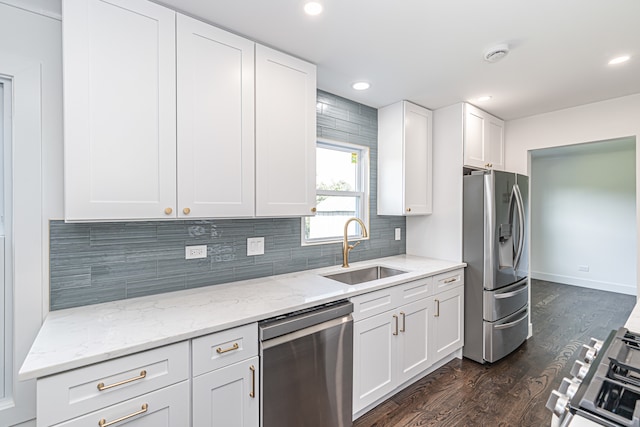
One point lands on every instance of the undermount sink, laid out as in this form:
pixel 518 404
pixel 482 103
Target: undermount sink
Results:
pixel 368 274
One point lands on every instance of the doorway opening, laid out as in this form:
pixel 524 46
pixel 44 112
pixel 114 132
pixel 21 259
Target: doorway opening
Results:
pixel 583 215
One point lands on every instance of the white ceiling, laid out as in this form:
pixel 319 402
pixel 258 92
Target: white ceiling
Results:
pixel 431 51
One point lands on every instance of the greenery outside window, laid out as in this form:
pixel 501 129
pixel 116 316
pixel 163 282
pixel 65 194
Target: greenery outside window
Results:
pixel 342 192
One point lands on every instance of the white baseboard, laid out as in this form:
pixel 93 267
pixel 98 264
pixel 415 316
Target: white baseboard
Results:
pixel 586 283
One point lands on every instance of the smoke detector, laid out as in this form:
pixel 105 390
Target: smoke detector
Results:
pixel 496 53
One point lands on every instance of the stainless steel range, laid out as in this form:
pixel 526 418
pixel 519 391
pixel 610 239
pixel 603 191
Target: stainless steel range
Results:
pixel 605 387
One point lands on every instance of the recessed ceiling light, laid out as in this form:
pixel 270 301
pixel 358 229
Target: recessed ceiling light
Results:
pixel 484 98
pixel 361 85
pixel 619 60
pixel 313 8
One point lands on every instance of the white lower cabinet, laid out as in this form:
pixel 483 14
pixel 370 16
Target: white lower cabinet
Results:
pixel 421 324
pixel 390 348
pixel 448 334
pixel 374 350
pixel 414 355
pixel 227 397
pixel 168 407
pixel 118 387
pixel 155 387
pixel 226 375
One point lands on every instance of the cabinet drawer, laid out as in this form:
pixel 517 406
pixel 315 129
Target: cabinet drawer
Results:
pixel 416 290
pixel 448 280
pixel 163 408
pixel 74 393
pixel 373 303
pixel 224 348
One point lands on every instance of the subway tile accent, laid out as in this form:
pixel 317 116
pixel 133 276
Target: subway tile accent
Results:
pixel 98 262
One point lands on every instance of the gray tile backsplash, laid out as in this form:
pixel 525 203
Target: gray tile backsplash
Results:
pixel 98 262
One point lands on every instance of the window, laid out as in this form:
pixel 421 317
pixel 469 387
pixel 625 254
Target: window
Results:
pixel 342 190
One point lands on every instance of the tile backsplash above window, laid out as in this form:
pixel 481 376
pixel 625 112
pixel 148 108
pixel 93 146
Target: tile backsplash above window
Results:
pixel 98 262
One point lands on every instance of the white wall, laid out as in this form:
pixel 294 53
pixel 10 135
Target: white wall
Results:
pixel 439 235
pixel 31 55
pixel 583 213
pixel 600 121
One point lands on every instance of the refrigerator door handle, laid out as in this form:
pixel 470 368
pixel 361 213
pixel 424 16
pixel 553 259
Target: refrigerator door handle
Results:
pixel 521 227
pixel 511 294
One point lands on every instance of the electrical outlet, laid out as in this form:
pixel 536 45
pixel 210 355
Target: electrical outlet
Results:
pixel 195 252
pixel 584 268
pixel 398 235
pixel 255 246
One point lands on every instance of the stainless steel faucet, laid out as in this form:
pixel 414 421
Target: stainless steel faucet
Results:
pixel 346 247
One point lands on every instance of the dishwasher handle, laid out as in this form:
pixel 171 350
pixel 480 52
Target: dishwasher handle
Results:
pixel 282 325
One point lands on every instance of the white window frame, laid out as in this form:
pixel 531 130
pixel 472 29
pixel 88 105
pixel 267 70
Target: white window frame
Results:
pixel 5 297
pixel 23 259
pixel 363 193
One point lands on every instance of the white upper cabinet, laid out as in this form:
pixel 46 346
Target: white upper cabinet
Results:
pixel 404 160
pixel 215 122
pixel 169 117
pixel 483 139
pixel 119 109
pixel 285 134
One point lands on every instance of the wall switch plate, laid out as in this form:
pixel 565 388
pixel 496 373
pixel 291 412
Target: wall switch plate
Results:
pixel 195 252
pixel 255 246
pixel 398 235
pixel 584 268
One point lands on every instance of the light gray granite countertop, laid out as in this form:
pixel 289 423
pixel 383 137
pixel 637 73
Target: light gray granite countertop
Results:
pixel 81 336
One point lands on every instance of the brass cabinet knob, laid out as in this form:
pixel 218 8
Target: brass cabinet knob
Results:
pixel 408 209
pixel 313 210
pixel 186 211
pixel 168 211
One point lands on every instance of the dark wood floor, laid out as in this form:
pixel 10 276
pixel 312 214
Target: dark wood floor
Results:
pixel 513 391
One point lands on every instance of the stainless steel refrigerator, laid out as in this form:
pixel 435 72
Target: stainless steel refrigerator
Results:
pixel 496 319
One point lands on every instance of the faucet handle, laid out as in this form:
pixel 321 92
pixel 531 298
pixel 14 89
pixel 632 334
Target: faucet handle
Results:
pixel 354 245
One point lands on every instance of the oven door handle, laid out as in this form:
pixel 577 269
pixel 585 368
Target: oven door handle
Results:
pixel 512 294
pixel 511 324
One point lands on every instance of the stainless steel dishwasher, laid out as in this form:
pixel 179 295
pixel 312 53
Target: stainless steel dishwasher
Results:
pixel 306 360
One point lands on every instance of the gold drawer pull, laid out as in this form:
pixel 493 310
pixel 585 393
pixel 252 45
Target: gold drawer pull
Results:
pixel 396 320
pixel 452 279
pixel 104 423
pixel 102 387
pixel 437 309
pixel 253 381
pixel 404 322
pixel 235 346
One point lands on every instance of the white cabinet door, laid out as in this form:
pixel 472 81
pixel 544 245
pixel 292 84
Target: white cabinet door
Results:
pixel 417 160
pixel 448 334
pixel 483 139
pixel 120 109
pixel 404 160
pixel 373 359
pixel 495 143
pixel 215 121
pixel 414 346
pixel 474 147
pixel 168 407
pixel 227 397
pixel 285 134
